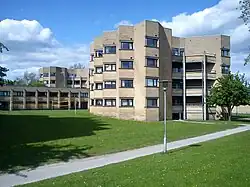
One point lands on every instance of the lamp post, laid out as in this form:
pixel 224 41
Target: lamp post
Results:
pixel 165 87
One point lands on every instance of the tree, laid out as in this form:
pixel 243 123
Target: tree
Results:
pixel 77 66
pixel 29 79
pixel 2 46
pixel 229 91
pixel 245 16
pixel 3 70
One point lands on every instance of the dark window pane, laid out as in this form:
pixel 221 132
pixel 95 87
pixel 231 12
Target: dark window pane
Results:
pixel 152 102
pixel 99 102
pixel 98 70
pixel 110 49
pixel 127 83
pixel 152 82
pixel 110 67
pixel 127 102
pixel 127 64
pixel 110 85
pixel 110 102
pixel 98 53
pixel 151 62
pixel 127 45
pixel 151 42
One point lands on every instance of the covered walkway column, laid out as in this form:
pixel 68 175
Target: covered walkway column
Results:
pixel 59 100
pixel 11 100
pixel 48 99
pixel 79 100
pixel 24 99
pixel 69 100
pixel 36 99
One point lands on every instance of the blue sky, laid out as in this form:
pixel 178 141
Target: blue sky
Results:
pixel 79 21
pixel 58 33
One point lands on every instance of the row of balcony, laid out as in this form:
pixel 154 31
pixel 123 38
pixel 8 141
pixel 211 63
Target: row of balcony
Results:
pixel 130 54
pixel 149 92
pixel 151 72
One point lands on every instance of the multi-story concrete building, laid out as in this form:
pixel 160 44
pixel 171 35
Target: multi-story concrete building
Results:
pixel 59 77
pixel 21 98
pixel 128 65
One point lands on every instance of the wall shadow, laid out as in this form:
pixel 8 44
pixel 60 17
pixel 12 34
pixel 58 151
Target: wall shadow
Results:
pixel 22 139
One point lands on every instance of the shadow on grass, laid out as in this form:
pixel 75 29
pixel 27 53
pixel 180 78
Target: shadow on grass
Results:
pixel 242 119
pixel 24 140
pixel 184 148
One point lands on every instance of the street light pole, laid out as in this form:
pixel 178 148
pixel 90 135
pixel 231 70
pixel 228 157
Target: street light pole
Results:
pixel 165 120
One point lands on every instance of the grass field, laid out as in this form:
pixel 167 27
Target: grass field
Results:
pixel 219 163
pixel 32 138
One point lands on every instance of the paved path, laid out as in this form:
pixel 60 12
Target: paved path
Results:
pixel 59 169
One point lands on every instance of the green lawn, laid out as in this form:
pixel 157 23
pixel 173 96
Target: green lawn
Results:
pixel 219 163
pixel 32 138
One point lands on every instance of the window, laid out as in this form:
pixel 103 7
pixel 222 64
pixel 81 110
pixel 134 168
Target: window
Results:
pixel 225 52
pixel 77 82
pixel 152 102
pixel 126 64
pixel 152 82
pixel 177 101
pixel 109 67
pixel 110 84
pixel 91 72
pixel 110 102
pixel 98 70
pixel 92 102
pixel 151 42
pixel 92 57
pixel 225 69
pixel 18 94
pixel 151 62
pixel 72 76
pixel 99 102
pixel 127 83
pixel 41 75
pixel 98 53
pixel 4 93
pixel 84 95
pixel 182 51
pixel 127 45
pixel 175 52
pixel 177 70
pixel 45 74
pixel 52 74
pixel 98 86
pixel 91 87
pixel 177 85
pixel 110 49
pixel 52 82
pixel 127 102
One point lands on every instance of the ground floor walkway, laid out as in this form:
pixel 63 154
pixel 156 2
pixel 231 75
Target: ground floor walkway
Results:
pixel 63 168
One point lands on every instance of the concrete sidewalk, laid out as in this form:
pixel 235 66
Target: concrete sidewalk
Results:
pixel 59 169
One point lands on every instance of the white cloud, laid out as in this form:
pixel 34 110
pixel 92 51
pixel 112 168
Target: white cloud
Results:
pixel 219 19
pixel 123 22
pixel 32 46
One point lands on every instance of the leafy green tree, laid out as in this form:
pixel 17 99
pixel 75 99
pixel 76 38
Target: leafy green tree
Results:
pixel 245 16
pixel 3 70
pixel 36 83
pixel 229 91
